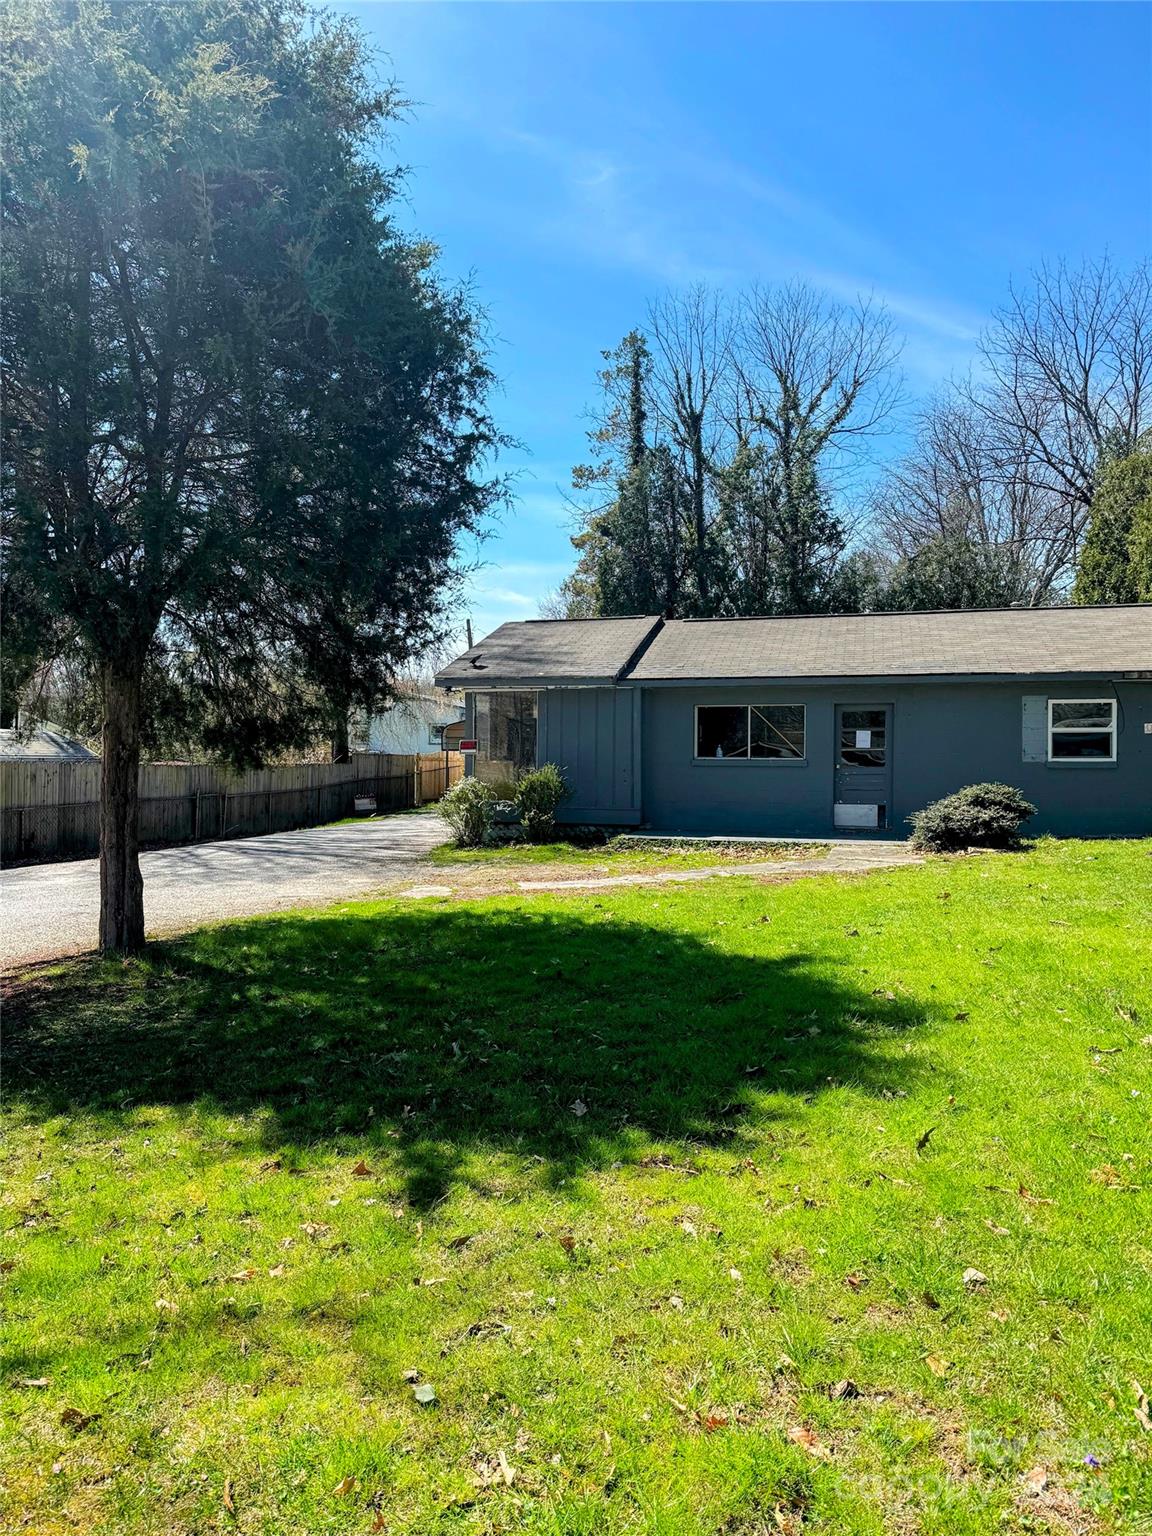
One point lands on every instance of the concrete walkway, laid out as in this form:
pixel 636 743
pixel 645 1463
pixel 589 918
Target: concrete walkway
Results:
pixel 48 910
pixel 841 859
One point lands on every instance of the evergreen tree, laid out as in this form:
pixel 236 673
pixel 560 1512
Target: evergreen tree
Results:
pixel 244 423
pixel 1121 504
pixel 782 542
pixel 1140 551
pixel 957 572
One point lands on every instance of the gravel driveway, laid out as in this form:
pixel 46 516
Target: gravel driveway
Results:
pixel 52 909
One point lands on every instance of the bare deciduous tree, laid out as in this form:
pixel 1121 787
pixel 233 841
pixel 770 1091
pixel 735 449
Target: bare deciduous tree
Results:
pixel 690 336
pixel 957 484
pixel 1066 382
pixel 816 374
pixel 816 379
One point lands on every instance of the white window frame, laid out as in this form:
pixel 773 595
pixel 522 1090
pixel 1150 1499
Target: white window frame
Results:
pixel 1082 730
pixel 747 757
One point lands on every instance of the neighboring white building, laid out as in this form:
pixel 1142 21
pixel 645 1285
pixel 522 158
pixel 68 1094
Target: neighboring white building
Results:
pixel 411 724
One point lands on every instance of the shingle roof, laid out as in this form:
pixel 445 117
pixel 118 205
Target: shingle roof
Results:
pixel 988 642
pixel 539 652
pixel 43 746
pixel 1004 642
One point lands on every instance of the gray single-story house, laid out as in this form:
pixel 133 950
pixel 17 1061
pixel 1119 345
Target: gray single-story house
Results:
pixel 821 726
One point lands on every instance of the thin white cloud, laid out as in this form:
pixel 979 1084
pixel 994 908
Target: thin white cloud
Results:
pixel 618 211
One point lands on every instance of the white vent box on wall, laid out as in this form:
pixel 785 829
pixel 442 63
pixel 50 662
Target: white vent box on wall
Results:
pixel 854 816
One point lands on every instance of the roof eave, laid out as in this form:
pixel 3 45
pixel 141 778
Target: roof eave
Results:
pixel 484 682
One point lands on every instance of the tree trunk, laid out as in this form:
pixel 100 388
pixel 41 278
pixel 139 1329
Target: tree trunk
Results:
pixel 340 748
pixel 121 883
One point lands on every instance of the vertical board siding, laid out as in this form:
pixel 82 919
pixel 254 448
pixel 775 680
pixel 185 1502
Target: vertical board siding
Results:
pixel 589 733
pixel 52 810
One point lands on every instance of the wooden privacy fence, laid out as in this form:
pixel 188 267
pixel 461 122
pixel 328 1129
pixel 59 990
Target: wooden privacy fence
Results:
pixel 52 810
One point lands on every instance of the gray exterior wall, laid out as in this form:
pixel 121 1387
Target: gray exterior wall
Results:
pixel 943 736
pixel 594 736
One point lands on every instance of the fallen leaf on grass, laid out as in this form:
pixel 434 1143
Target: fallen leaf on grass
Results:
pixel 277 1272
pixel 974 1279
pixel 923 1141
pixel 1143 1418
pixel 241 1276
pixel 714 1421
pixel 361 1170
pixel 73 1419
pixel 1036 1481
pixel 855 1282
pixel 567 1242
pixel 578 1107
pixel 345 1486
pixel 1110 1177
pixel 226 1499
pixel 938 1365
pixel 425 1393
pixel 315 1228
pixel 808 1440
pixel 506 1471
pixel 273 1165
pixel 34 1381
pixel 841 1390
pixel 378 1521
pixel 999 1231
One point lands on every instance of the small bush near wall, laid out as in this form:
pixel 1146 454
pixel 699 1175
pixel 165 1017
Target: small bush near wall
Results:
pixel 979 816
pixel 467 808
pixel 538 797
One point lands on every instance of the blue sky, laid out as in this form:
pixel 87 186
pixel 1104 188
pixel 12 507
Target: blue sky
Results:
pixel 577 159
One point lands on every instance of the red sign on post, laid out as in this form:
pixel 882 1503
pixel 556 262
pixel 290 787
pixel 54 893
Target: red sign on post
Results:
pixel 467 746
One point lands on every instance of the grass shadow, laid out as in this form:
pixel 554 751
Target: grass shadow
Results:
pixel 559 1034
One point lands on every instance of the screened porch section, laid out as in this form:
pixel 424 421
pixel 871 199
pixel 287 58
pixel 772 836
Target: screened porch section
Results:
pixel 505 727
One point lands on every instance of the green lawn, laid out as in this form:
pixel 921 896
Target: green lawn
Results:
pixel 631 1180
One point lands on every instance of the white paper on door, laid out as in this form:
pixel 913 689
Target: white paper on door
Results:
pixel 864 739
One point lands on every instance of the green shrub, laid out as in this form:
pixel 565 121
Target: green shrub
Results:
pixel 979 816
pixel 538 796
pixel 467 808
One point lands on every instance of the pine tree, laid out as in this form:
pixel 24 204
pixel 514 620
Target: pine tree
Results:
pixel 243 421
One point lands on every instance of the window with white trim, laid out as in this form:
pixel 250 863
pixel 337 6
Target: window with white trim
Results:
pixel 750 730
pixel 1082 730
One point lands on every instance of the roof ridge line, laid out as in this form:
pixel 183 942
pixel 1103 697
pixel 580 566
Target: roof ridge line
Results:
pixel 908 613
